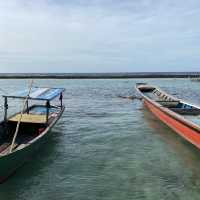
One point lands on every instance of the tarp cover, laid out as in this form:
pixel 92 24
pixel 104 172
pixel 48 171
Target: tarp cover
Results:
pixel 38 93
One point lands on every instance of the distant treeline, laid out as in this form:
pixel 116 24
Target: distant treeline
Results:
pixel 100 75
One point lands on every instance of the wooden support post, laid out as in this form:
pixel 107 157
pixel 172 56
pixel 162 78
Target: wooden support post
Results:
pixel 27 110
pixel 61 98
pixel 5 108
pixel 47 113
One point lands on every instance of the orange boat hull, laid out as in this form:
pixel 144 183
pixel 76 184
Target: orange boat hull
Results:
pixel 187 132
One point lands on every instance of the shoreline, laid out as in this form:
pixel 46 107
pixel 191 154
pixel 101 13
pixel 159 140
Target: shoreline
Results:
pixel 100 75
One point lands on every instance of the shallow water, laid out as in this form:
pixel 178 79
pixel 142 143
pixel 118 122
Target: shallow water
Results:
pixel 105 147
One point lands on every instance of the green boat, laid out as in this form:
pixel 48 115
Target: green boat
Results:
pixel 24 132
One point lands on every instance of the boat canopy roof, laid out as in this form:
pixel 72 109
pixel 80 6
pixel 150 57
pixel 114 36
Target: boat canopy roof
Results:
pixel 38 93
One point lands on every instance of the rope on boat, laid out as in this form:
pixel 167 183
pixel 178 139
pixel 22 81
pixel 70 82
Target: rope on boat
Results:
pixel 130 97
pixel 20 118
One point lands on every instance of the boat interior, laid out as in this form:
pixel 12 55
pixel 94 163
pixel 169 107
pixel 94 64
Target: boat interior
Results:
pixel 33 123
pixel 188 111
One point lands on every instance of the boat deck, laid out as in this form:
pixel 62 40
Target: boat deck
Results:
pixel 37 114
pixel 152 96
pixel 29 118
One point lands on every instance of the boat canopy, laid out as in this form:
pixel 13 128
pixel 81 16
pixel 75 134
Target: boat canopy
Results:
pixel 38 93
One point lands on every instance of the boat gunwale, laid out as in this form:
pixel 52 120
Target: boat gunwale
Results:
pixel 169 112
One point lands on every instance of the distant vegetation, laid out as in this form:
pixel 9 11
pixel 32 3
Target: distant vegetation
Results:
pixel 101 75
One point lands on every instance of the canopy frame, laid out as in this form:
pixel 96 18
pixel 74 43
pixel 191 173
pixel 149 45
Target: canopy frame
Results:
pixel 40 98
pixel 59 93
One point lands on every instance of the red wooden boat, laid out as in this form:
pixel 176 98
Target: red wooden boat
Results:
pixel 179 115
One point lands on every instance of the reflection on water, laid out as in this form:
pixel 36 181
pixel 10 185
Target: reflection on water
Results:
pixel 105 147
pixel 185 150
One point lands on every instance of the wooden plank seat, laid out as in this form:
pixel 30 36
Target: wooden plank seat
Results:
pixel 29 118
pixel 186 111
pixel 168 104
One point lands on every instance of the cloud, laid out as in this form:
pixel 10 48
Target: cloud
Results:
pixel 99 36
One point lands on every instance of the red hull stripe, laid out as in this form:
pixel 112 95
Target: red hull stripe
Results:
pixel 188 133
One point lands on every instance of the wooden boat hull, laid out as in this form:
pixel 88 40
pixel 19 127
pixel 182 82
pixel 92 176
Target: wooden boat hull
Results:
pixel 186 129
pixel 11 162
pixel 186 132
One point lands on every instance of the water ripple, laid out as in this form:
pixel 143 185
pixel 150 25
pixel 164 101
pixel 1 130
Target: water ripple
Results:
pixel 109 148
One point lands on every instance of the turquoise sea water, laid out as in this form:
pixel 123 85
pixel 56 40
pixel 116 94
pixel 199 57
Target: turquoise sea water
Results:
pixel 109 148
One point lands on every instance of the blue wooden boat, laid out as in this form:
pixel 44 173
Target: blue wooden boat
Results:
pixel 35 120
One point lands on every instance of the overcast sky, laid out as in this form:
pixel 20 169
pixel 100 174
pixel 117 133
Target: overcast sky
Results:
pixel 99 35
